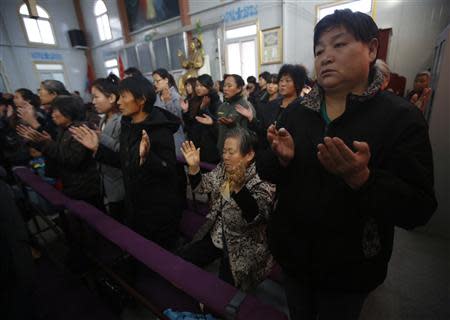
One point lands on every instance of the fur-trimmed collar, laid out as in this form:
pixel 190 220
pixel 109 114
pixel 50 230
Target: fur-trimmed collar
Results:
pixel 314 98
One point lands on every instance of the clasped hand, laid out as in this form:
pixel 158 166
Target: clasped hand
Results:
pixel 340 160
pixel 31 134
pixel 333 154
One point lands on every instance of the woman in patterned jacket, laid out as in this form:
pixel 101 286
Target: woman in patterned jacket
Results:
pixel 236 224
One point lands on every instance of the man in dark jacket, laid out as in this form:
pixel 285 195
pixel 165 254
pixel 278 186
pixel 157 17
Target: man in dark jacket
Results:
pixel 73 162
pixel 147 159
pixel 351 162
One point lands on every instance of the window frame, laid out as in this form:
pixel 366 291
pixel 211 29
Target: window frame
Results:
pixel 37 73
pixel 342 2
pixel 100 17
pixel 109 69
pixel 240 40
pixel 24 28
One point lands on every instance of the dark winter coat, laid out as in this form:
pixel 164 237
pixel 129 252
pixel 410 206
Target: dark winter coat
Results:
pixel 204 136
pixel 74 164
pixel 324 231
pixel 151 188
pixel 268 114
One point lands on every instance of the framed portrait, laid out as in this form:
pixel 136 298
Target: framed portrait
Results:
pixel 271 46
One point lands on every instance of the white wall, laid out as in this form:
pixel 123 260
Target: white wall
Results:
pixel 440 142
pixel 196 6
pixel 15 51
pixel 207 12
pixel 102 50
pixel 415 24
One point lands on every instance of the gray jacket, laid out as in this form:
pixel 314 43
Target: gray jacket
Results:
pixel 173 106
pixel 228 110
pixel 111 178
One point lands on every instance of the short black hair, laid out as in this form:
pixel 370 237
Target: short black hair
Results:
pixel 273 78
pixel 163 73
pixel 238 79
pixel 206 81
pixel 298 74
pixel 359 24
pixel 132 71
pixel 248 141
pixel 70 106
pixel 141 88
pixel 265 75
pixel 251 79
pixel 30 97
pixel 192 81
pixel 108 85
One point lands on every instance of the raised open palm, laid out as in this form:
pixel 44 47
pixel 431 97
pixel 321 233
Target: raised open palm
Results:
pixel 144 147
pixel 184 105
pixel 31 134
pixel 86 136
pixel 27 114
pixel 245 112
pixel 281 143
pixel 192 156
pixel 204 119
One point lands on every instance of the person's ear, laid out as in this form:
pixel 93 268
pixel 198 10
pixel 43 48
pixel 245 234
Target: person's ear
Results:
pixel 373 49
pixel 249 157
pixel 141 102
pixel 112 98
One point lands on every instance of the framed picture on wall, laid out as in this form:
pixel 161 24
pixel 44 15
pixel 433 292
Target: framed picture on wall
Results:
pixel 271 46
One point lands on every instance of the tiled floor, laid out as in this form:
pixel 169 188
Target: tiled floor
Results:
pixel 418 282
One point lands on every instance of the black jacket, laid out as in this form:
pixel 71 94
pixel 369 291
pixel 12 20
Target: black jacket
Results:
pixel 204 136
pixel 268 114
pixel 74 165
pixel 151 189
pixel 322 230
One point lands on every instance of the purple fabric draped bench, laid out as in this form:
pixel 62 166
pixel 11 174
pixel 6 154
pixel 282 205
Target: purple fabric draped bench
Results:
pixel 195 283
pixel 190 223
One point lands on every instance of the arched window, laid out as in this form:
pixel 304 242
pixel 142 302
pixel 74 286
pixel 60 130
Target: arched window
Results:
pixel 101 15
pixel 39 29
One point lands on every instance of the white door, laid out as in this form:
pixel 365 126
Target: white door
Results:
pixel 241 58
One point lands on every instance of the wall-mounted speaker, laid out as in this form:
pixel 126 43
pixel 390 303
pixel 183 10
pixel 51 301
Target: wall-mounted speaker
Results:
pixel 77 39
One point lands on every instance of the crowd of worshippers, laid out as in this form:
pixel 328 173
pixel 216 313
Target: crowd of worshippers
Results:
pixel 311 174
